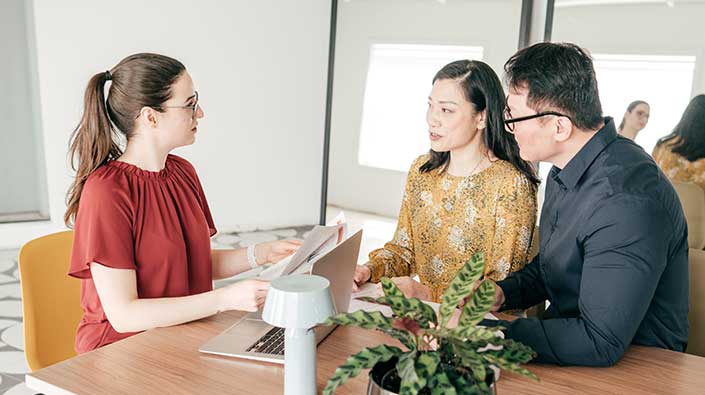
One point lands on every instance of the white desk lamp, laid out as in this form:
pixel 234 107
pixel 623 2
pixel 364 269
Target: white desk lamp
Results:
pixel 298 303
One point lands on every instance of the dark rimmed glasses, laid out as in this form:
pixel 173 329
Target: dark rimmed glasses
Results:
pixel 509 121
pixel 193 107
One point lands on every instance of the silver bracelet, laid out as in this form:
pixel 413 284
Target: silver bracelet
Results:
pixel 251 259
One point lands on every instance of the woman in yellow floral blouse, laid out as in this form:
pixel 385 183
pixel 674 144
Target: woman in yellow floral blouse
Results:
pixel 471 193
pixel 681 155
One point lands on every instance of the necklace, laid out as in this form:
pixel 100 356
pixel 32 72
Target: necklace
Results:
pixel 472 172
pixel 482 159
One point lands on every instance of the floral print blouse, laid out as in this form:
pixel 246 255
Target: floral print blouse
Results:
pixel 445 219
pixel 678 168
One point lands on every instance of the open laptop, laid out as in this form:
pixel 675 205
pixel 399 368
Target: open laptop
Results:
pixel 252 338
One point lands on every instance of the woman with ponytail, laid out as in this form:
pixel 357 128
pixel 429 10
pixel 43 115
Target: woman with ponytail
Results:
pixel 471 193
pixel 141 219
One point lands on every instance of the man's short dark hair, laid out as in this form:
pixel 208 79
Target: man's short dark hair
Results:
pixel 558 76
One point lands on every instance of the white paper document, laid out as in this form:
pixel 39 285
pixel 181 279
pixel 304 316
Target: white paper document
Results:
pixel 317 243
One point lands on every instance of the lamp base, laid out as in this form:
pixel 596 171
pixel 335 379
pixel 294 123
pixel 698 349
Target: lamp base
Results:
pixel 299 361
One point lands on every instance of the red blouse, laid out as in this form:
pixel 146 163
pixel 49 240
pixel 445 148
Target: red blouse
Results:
pixel 155 223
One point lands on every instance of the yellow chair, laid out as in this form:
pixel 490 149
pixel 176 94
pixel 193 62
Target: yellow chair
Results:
pixel 50 300
pixel 693 201
pixel 696 314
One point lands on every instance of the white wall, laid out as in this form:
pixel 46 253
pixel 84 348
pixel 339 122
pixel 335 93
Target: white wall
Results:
pixel 641 29
pixel 492 24
pixel 652 29
pixel 21 186
pixel 260 68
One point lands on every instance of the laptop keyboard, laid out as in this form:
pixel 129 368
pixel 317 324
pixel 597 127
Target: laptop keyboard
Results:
pixel 271 343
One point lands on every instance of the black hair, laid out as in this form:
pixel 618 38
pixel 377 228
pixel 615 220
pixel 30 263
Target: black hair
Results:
pixel 560 76
pixel 688 137
pixel 483 89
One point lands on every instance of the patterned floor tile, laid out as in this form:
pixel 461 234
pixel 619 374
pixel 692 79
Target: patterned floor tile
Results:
pixel 6 383
pixel 7 263
pixel 285 233
pixel 227 239
pixel 13 362
pixel 11 290
pixel 250 238
pixel 20 389
pixel 14 336
pixel 4 323
pixel 5 278
pixel 10 308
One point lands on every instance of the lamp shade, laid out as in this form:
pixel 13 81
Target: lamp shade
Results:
pixel 298 301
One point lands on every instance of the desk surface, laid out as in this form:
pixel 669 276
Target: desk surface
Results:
pixel 166 360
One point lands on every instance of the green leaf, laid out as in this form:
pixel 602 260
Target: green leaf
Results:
pixel 426 366
pixel 389 288
pixel 407 307
pixel 465 386
pixel 365 359
pixel 512 352
pixel 372 320
pixel 505 365
pixel 362 319
pixel 470 358
pixel 461 286
pixel 475 333
pixel 440 385
pixel 409 379
pixel 479 305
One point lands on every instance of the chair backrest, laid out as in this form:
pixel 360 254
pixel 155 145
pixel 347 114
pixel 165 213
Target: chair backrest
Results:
pixel 50 300
pixel 696 314
pixel 693 201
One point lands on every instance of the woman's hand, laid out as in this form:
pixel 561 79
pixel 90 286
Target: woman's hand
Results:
pixel 361 276
pixel 412 288
pixel 246 295
pixel 275 251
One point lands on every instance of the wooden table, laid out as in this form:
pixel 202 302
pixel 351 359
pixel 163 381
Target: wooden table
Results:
pixel 166 361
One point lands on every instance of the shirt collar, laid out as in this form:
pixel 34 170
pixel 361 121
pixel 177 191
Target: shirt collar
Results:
pixel 576 167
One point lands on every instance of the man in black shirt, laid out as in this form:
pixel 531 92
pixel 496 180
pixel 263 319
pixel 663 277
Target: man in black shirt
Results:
pixel 613 257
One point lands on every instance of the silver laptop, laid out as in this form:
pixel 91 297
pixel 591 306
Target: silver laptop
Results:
pixel 252 338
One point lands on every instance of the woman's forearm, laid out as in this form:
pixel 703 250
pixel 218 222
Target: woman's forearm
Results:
pixel 227 263
pixel 143 314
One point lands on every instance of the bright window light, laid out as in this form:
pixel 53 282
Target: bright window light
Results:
pixel 665 82
pixel 393 130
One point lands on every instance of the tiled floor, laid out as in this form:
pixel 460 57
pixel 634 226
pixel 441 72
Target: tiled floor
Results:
pixel 13 365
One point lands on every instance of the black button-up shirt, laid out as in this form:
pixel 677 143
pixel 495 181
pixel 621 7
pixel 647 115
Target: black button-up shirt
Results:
pixel 613 260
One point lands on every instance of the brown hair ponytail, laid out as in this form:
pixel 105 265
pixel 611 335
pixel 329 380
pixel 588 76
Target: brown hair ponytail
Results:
pixel 140 80
pixel 92 142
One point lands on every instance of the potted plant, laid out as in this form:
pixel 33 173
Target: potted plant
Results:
pixel 438 359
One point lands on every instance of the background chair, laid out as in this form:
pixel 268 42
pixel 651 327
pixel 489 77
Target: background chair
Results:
pixel 50 300
pixel 693 201
pixel 696 314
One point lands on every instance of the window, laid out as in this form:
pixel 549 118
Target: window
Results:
pixel 665 82
pixel 393 129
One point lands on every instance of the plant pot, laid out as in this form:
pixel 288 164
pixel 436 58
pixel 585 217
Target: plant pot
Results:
pixel 384 380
